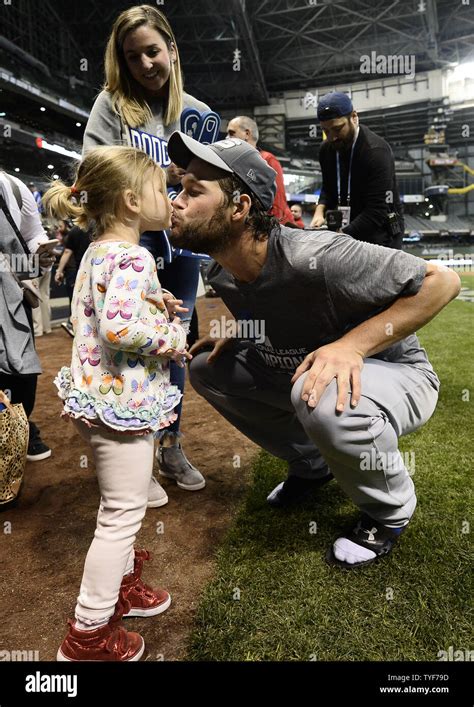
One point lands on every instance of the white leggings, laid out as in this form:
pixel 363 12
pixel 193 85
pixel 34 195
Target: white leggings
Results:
pixel 124 465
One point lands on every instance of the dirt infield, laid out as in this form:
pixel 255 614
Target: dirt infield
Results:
pixel 53 522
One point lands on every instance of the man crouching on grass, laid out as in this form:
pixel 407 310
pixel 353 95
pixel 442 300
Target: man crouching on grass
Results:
pixel 339 375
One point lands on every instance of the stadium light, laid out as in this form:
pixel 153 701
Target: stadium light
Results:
pixel 45 145
pixel 463 71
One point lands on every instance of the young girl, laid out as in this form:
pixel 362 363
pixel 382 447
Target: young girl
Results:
pixel 117 390
pixel 141 105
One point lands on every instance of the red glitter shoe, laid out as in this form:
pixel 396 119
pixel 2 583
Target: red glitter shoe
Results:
pixel 110 642
pixel 138 598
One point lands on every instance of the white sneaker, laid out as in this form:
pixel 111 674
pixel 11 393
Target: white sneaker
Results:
pixel 157 496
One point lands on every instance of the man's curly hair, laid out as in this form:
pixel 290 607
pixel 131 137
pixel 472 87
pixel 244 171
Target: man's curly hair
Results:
pixel 259 220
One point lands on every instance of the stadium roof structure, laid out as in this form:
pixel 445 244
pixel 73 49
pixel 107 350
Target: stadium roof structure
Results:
pixel 283 44
pixel 51 65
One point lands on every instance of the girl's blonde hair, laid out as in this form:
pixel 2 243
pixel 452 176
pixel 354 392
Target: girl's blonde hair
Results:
pixel 96 198
pixel 127 96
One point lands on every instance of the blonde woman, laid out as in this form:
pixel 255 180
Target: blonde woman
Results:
pixel 117 390
pixel 140 106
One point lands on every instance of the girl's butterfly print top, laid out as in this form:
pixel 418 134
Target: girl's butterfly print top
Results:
pixel 118 375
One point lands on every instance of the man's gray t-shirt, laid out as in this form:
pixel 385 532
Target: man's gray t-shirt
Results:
pixel 313 288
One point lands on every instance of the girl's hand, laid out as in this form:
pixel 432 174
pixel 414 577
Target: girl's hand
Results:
pixel 179 357
pixel 173 305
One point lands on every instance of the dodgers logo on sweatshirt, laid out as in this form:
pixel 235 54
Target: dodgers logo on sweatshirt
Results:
pixel 154 146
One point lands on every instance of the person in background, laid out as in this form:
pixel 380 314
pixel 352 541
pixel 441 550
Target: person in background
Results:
pixel 19 362
pixel 62 230
pixel 42 313
pixel 297 212
pixel 141 106
pixel 246 129
pixel 36 196
pixel 358 177
pixel 69 266
pixel 75 245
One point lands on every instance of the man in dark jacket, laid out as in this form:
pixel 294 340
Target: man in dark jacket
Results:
pixel 358 176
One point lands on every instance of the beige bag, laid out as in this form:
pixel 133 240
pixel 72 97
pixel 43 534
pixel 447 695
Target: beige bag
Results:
pixel 14 434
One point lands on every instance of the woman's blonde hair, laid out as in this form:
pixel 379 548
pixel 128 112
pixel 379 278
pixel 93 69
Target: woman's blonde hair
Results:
pixel 128 96
pixel 96 198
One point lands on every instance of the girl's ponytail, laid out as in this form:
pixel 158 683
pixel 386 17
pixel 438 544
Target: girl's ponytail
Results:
pixel 62 201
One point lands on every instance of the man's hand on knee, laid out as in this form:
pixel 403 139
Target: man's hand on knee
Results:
pixel 216 346
pixel 336 360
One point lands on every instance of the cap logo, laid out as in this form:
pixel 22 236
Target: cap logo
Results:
pixel 251 175
pixel 227 143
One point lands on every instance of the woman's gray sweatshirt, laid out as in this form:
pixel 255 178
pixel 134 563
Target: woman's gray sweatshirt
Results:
pixel 105 127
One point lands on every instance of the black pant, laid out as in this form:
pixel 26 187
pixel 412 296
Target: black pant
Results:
pixel 22 389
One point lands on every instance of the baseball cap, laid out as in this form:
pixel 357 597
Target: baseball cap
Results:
pixel 334 105
pixel 232 155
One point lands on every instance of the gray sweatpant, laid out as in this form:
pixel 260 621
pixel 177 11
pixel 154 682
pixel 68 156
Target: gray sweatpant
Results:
pixel 360 446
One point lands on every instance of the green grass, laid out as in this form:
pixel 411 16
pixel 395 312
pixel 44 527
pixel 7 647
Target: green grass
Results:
pixel 293 606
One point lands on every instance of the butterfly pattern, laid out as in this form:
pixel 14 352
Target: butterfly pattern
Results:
pixel 89 354
pixel 140 386
pixel 124 307
pixel 111 382
pixel 121 326
pixel 136 263
pixel 89 331
pixel 88 308
pixel 126 284
pixel 81 278
pixel 116 337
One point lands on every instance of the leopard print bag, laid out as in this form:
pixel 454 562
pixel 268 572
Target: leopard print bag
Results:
pixel 14 433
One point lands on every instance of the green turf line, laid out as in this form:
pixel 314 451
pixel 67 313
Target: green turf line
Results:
pixel 275 598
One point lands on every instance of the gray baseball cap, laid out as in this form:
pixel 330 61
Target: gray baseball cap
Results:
pixel 232 155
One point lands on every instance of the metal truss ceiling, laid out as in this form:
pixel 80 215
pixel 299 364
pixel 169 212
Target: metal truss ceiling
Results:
pixel 284 44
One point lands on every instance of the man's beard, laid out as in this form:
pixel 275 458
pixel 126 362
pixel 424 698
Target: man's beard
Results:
pixel 211 237
pixel 347 144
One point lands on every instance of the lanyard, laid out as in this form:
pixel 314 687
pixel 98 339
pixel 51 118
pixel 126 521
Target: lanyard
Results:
pixel 338 168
